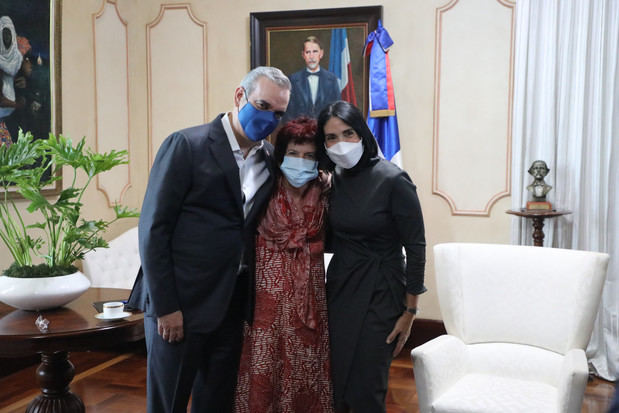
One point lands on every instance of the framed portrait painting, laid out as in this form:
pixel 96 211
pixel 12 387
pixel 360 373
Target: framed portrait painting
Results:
pixel 30 71
pixel 321 51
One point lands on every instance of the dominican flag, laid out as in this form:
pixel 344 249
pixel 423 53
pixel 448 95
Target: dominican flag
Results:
pixel 382 118
pixel 339 63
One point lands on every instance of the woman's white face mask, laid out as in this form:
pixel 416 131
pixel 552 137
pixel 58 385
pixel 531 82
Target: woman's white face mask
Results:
pixel 345 154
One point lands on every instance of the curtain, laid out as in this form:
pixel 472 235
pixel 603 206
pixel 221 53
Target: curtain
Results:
pixel 566 112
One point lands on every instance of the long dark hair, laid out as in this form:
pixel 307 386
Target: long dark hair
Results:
pixel 353 117
pixel 300 130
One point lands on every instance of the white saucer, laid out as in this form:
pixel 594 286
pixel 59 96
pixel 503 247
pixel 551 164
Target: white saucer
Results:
pixel 124 314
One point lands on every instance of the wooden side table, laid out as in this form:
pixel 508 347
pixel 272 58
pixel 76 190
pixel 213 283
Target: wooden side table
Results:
pixel 538 216
pixel 71 328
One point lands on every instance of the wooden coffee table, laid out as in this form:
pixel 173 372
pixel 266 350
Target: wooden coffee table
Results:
pixel 71 328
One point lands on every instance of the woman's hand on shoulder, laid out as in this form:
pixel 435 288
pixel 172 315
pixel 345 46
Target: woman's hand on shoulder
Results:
pixel 325 180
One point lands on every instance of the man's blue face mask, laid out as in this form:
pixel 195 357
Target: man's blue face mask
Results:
pixel 257 124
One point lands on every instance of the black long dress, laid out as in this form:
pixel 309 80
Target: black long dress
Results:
pixel 374 211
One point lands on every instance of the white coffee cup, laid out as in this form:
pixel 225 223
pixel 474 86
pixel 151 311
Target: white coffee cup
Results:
pixel 113 309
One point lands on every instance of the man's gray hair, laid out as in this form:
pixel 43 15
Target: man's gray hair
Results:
pixel 272 73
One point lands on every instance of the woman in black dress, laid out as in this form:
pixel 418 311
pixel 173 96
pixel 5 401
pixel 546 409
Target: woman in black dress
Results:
pixel 372 289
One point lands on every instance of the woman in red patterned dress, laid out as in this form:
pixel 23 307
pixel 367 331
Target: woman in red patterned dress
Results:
pixel 285 360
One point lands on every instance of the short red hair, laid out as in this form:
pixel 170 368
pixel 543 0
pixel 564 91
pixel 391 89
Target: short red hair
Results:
pixel 300 130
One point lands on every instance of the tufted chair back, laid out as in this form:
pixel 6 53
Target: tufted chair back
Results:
pixel 116 266
pixel 544 297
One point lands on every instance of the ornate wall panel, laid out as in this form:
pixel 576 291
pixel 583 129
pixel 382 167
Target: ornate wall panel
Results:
pixel 176 73
pixel 473 104
pixel 111 96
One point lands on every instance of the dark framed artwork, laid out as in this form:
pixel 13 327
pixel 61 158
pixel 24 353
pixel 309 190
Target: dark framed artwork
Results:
pixel 277 39
pixel 31 96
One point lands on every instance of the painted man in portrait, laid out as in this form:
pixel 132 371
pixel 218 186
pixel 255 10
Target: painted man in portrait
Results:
pixel 313 87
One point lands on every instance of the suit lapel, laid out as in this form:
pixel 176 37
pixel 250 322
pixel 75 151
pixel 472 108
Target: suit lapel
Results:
pixel 265 190
pixel 222 153
pixel 307 93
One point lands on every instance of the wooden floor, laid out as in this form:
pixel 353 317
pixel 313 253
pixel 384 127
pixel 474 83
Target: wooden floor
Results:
pixel 115 382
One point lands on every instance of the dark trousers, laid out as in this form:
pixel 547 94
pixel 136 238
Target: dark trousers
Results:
pixel 614 406
pixel 366 388
pixel 206 363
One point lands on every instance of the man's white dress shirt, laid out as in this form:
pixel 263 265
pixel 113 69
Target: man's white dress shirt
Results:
pixel 253 171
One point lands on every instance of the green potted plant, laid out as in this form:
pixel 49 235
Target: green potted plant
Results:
pixel 43 274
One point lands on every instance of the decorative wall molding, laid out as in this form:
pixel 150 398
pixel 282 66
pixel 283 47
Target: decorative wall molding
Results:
pixel 177 83
pixel 464 119
pixel 110 43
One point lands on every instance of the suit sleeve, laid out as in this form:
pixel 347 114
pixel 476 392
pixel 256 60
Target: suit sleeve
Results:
pixel 295 104
pixel 169 181
pixel 334 90
pixel 407 214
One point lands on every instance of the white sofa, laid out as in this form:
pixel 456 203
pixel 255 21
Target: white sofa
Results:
pixel 116 266
pixel 518 320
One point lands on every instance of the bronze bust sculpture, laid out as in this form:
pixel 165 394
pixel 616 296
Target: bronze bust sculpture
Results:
pixel 538 187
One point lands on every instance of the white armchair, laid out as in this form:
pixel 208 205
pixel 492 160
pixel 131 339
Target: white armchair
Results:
pixel 116 266
pixel 518 320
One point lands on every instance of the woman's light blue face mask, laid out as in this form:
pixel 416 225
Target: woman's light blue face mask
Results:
pixel 257 124
pixel 299 171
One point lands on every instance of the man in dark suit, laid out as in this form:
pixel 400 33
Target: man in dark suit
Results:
pixel 205 192
pixel 313 87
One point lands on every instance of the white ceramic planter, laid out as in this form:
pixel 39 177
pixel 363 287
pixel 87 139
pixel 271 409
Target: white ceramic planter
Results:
pixel 42 293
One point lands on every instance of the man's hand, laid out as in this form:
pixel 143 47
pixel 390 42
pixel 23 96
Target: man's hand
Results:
pixel 170 326
pixel 401 330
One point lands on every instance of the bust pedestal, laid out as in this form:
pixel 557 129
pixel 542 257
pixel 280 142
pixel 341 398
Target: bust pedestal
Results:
pixel 538 216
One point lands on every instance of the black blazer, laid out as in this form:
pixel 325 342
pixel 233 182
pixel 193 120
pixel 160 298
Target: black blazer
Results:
pixel 192 230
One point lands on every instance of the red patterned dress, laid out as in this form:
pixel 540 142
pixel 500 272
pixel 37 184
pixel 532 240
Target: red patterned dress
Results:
pixel 285 359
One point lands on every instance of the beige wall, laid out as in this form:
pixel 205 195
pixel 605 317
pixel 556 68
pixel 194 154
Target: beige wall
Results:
pixel 465 160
